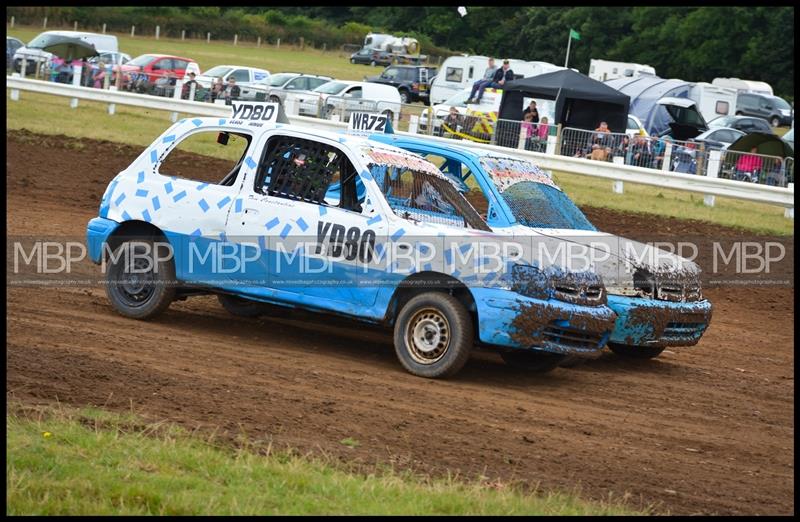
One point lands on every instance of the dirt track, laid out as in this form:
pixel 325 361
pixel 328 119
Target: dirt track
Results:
pixel 702 430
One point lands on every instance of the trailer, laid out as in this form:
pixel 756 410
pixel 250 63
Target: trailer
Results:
pixel 744 85
pixel 603 70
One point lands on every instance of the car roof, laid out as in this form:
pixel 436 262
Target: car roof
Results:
pixel 239 67
pixel 156 55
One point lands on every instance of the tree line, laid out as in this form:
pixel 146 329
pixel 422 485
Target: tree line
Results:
pixel 689 43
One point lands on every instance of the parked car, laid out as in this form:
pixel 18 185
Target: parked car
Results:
pixel 719 137
pixel 12 44
pixel 111 58
pixel 153 73
pixel 278 85
pixel 249 79
pixel 656 295
pixel 775 110
pixel 346 97
pixel 634 127
pixel 372 214
pixel 34 56
pixel 789 137
pixel 746 124
pixel 411 81
pixel 371 57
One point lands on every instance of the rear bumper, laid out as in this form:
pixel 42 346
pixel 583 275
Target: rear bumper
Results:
pixel 647 322
pixel 512 320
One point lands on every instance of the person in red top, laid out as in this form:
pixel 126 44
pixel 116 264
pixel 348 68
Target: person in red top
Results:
pixel 750 162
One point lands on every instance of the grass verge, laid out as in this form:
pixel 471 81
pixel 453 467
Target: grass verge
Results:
pixel 79 462
pixel 47 114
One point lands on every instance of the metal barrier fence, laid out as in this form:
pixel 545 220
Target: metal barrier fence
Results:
pixel 755 168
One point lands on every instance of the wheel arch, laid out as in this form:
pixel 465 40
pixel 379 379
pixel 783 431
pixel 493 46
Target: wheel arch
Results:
pixel 430 281
pixel 132 229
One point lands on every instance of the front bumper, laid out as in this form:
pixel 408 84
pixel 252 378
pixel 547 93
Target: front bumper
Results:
pixel 512 320
pixel 649 322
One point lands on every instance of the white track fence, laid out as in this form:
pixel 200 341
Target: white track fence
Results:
pixel 775 179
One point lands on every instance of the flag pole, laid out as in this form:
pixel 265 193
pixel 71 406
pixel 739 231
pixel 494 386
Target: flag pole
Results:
pixel 569 42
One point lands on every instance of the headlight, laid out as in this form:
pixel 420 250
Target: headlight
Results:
pixel 583 288
pixel 530 281
pixel 667 288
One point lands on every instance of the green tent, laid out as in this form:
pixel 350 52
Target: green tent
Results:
pixel 767 144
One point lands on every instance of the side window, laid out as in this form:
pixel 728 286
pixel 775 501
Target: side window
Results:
pixel 297 84
pixel 632 124
pixel 471 72
pixel 313 83
pixel 209 156
pixel 162 65
pixel 453 74
pixel 763 126
pixel 180 65
pixel 309 171
pixel 241 75
pixel 353 92
pixel 722 107
pixel 390 73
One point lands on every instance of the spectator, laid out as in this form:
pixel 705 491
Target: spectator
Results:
pixel 453 122
pixel 527 126
pixel 487 79
pixel 659 148
pixel 624 148
pixel 544 129
pixel 748 167
pixel 641 154
pixel 501 77
pixel 100 75
pixel 231 92
pixel 532 110
pixel 685 161
pixel 186 91
pixel 163 84
pixel 217 89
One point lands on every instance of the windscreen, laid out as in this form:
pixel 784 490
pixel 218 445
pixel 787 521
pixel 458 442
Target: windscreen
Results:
pixel 534 200
pixel 219 70
pixel 417 191
pixel 780 103
pixel 331 88
pixel 141 61
pixel 276 80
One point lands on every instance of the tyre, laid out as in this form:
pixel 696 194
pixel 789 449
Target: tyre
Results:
pixel 405 96
pixel 433 335
pixel 636 352
pixel 372 63
pixel 535 361
pixel 274 99
pixel 137 286
pixel 242 307
pixel 738 113
pixel 353 60
pixel 775 121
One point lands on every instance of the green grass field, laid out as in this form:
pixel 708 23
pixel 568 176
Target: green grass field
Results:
pixel 52 115
pixel 334 63
pixel 62 461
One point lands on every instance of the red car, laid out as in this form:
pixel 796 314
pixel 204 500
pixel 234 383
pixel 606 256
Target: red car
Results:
pixel 154 73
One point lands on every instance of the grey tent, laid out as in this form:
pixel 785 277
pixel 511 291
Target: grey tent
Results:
pixel 644 92
pixel 580 102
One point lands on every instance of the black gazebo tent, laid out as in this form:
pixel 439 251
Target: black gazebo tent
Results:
pixel 580 102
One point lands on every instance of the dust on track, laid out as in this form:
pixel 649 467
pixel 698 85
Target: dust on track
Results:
pixel 707 429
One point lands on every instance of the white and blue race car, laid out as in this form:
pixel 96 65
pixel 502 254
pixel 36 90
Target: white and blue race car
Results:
pixel 337 224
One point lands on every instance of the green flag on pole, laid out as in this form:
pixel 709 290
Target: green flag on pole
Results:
pixel 574 34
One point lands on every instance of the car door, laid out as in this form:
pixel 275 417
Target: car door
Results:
pixel 312 235
pixel 352 100
pixel 298 84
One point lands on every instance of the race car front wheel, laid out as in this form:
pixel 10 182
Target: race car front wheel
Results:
pixel 534 361
pixel 433 335
pixel 140 279
pixel 636 352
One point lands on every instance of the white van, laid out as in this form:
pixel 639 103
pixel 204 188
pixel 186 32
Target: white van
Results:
pixel 744 85
pixel 101 42
pixel 460 72
pixel 345 97
pixel 603 70
pixel 713 101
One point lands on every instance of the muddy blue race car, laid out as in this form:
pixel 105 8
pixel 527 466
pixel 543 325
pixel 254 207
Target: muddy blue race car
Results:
pixel 304 218
pixel 656 295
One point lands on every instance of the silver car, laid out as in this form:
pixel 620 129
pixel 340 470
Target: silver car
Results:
pixel 278 85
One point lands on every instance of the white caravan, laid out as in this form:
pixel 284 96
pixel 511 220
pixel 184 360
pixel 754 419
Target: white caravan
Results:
pixel 602 70
pixel 744 85
pixel 713 101
pixel 460 72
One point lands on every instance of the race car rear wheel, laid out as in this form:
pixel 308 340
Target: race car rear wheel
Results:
pixel 534 361
pixel 138 284
pixel 636 352
pixel 433 335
